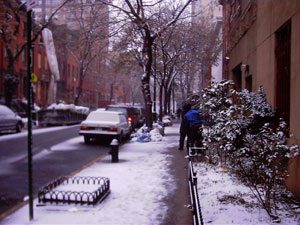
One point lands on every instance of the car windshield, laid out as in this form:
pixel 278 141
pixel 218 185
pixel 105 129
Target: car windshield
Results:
pixel 96 116
pixel 5 111
pixel 117 109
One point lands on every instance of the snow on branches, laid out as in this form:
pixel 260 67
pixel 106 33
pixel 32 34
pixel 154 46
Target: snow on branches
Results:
pixel 242 131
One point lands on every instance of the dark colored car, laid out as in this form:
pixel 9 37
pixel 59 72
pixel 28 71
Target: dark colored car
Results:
pixel 131 113
pixel 142 115
pixel 9 121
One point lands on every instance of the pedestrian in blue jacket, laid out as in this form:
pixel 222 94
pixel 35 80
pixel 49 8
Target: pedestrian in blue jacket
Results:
pixel 194 122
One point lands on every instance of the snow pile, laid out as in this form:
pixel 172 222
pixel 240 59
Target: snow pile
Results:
pixel 72 107
pixel 82 109
pixel 224 200
pixel 155 135
pixel 143 135
pixel 36 107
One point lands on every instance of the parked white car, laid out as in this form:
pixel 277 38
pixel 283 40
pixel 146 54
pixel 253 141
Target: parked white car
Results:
pixel 9 121
pixel 105 124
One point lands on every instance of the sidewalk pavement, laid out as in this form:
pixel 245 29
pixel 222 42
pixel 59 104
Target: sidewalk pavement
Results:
pixel 180 197
pixel 149 185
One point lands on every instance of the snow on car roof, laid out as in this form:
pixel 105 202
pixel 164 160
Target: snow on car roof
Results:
pixel 4 109
pixel 104 116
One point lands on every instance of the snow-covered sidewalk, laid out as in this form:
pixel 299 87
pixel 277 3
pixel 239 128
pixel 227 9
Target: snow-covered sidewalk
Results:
pixel 224 200
pixel 139 182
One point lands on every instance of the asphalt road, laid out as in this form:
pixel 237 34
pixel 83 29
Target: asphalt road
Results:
pixel 56 152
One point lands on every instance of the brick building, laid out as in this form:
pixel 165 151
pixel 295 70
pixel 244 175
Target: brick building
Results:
pixel 18 38
pixel 261 48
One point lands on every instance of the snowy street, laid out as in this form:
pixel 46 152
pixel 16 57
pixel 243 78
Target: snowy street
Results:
pixel 144 190
pixel 57 151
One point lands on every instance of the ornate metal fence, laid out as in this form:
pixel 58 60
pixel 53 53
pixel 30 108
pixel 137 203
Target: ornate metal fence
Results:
pixel 60 190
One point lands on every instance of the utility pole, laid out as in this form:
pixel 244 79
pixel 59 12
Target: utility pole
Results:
pixel 29 113
pixel 30 4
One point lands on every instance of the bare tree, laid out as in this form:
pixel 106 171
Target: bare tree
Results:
pixel 203 47
pixel 179 51
pixel 90 42
pixel 143 17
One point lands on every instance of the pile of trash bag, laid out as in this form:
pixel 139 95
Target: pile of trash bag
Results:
pixel 143 134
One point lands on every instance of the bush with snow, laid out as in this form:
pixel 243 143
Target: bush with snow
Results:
pixel 241 131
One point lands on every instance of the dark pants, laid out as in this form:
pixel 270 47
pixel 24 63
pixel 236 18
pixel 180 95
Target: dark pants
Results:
pixel 194 135
pixel 183 134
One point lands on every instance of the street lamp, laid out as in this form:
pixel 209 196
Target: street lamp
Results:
pixel 30 5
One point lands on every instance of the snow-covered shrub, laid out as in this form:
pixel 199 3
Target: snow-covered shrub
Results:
pixel 263 164
pixel 241 131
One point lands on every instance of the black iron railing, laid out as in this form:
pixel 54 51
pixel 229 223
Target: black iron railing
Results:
pixel 197 215
pixel 58 192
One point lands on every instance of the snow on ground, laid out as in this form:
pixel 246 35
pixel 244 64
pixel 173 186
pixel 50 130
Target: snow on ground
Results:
pixel 139 183
pixel 224 200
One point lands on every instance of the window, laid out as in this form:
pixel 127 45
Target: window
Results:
pixel 283 72
pixel 24 29
pixel 39 60
pixel 68 71
pixel 237 77
pixel 5 52
pixel 23 55
pixel 46 63
pixel 73 74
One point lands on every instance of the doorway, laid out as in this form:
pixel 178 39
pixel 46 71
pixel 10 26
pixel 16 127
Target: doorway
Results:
pixel 283 72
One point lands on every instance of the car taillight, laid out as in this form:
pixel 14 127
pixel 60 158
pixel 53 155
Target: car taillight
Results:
pixel 141 117
pixel 84 128
pixel 129 119
pixel 113 129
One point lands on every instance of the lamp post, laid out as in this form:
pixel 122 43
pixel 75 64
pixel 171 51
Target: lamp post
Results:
pixel 30 4
pixel 29 113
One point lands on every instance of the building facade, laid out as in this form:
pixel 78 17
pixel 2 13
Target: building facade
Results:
pixel 14 44
pixel 261 48
pixel 212 11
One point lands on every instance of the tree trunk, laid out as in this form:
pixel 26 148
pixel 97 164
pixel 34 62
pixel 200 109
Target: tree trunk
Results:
pixel 11 82
pixel 79 89
pixel 165 101
pixel 111 93
pixel 147 53
pixel 169 101
pixel 160 102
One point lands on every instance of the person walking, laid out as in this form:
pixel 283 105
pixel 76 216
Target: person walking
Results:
pixel 194 121
pixel 183 127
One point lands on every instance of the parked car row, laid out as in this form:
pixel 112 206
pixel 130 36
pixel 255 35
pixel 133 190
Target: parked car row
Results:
pixel 9 121
pixel 135 115
pixel 99 124
pixel 115 121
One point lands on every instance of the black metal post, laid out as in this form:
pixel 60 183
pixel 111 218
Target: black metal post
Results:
pixel 173 99
pixel 29 98
pixel 154 86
